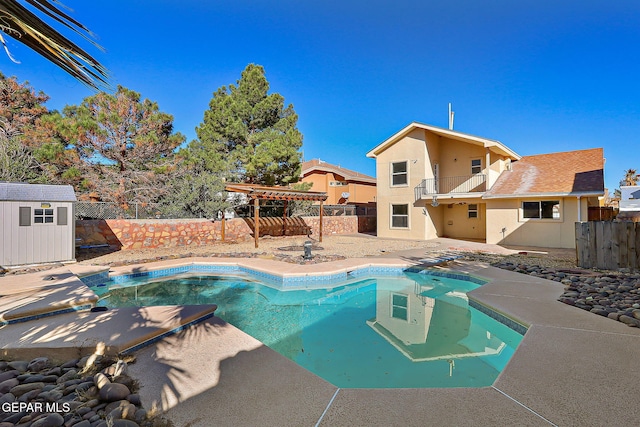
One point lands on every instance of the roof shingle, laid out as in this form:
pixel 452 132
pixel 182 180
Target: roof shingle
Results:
pixel 569 172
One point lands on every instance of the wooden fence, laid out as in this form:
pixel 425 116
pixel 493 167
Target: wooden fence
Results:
pixel 608 245
pixel 602 213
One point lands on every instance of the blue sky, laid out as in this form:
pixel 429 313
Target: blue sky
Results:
pixel 539 76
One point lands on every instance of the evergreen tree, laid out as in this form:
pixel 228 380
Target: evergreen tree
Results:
pixel 125 146
pixel 250 132
pixel 23 135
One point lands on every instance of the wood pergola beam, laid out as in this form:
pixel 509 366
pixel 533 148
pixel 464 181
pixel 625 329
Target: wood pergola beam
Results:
pixel 257 193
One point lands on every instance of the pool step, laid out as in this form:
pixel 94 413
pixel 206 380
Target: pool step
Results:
pixel 67 295
pixel 111 332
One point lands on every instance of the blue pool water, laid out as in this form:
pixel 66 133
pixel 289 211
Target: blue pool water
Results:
pixel 410 331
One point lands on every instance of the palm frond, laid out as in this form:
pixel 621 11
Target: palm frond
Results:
pixel 29 29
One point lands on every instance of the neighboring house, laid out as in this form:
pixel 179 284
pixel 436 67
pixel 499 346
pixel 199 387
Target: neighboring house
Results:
pixel 343 186
pixel 37 223
pixel 629 203
pixel 435 182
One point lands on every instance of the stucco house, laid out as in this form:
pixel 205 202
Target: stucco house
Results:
pixel 343 186
pixel 436 182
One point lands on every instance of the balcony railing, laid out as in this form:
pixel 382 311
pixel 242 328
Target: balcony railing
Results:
pixel 451 185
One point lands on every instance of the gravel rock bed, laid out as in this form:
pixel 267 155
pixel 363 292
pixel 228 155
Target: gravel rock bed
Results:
pixel 87 392
pixel 615 295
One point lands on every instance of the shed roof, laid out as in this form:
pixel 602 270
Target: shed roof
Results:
pixel 19 191
pixel 579 172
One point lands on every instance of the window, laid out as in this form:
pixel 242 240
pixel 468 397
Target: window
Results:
pixel 62 215
pixel 473 211
pixel 476 166
pixel 399 174
pixel 43 216
pixel 548 209
pixel 24 216
pixel 400 216
pixel 399 306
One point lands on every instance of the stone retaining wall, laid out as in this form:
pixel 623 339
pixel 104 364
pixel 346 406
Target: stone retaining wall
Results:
pixel 148 233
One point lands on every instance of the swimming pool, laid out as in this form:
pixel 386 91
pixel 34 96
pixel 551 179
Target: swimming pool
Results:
pixel 410 330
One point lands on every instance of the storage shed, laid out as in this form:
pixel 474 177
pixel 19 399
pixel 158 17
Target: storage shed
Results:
pixel 37 223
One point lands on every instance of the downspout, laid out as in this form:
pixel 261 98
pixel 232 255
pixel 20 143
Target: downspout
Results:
pixel 579 210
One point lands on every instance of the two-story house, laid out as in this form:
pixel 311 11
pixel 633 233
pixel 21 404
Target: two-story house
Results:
pixel 435 182
pixel 342 185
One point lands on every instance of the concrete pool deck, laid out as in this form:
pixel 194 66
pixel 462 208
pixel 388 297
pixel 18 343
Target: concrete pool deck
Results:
pixel 572 367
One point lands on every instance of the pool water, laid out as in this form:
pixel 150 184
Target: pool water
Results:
pixel 409 331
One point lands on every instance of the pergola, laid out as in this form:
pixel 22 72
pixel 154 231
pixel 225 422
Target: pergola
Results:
pixel 261 192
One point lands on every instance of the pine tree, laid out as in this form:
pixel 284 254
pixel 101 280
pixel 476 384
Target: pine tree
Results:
pixel 125 146
pixel 250 132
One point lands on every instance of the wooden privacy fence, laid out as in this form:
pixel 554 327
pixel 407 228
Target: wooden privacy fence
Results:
pixel 608 245
pixel 602 213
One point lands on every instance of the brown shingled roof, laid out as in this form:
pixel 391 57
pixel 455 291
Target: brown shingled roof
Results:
pixel 570 172
pixel 348 174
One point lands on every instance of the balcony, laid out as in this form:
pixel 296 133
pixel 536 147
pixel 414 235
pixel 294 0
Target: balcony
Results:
pixel 451 185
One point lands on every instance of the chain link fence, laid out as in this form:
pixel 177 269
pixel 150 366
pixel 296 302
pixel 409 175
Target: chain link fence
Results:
pixel 108 210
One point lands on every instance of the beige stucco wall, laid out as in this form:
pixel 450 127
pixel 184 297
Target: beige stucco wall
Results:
pixel 458 225
pixel 506 213
pixel 411 149
pixel 455 157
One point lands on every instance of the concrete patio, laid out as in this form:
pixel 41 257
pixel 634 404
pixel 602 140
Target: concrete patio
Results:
pixel 572 367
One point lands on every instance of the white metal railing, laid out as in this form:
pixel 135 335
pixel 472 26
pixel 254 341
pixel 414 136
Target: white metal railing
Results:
pixel 451 185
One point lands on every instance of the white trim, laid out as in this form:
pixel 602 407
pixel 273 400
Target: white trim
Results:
pixel 391 226
pixel 521 217
pixel 539 195
pixel 489 143
pixel 391 173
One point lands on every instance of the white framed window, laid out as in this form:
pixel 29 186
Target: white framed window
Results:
pixel 472 211
pixel 544 209
pixel 399 173
pixel 399 216
pixel 400 306
pixel 476 166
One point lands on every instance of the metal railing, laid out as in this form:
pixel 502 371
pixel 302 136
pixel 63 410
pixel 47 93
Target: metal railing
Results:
pixel 453 184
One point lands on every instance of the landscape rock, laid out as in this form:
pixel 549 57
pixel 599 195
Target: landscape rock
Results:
pixel 7 385
pixel 73 389
pixel 21 389
pixel 19 365
pixel 38 364
pixel 101 380
pixel 114 391
pixel 51 420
